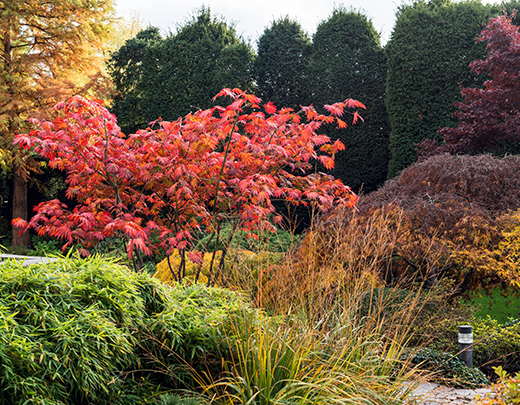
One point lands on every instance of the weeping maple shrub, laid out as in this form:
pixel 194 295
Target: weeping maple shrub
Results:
pixel 462 205
pixel 444 222
pixel 156 188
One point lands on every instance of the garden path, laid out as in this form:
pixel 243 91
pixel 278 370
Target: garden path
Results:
pixel 435 394
pixel 28 260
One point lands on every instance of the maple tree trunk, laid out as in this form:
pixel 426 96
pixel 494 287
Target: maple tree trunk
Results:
pixel 20 206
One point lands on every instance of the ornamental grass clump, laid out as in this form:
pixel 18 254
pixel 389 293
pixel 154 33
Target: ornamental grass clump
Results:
pixel 343 321
pixel 293 360
pixel 345 260
pixel 332 338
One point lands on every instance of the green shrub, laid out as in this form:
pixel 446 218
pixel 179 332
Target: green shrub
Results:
pixel 45 246
pixel 186 336
pixel 496 345
pixel 66 331
pixel 76 330
pixel 449 369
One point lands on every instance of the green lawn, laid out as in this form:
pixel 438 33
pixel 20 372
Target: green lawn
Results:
pixel 496 306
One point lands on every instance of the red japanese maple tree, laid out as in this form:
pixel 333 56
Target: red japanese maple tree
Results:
pixel 489 117
pixel 156 187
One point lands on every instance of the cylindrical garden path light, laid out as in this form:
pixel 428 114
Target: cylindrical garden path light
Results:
pixel 466 344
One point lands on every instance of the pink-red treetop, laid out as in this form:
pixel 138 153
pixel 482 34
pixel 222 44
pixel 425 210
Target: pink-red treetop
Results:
pixel 157 187
pixel 489 117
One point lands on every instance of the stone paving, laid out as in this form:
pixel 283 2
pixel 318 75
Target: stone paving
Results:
pixel 435 394
pixel 28 260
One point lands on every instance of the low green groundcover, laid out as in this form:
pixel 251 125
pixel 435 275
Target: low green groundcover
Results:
pixel 87 331
pixel 498 305
pixel 449 369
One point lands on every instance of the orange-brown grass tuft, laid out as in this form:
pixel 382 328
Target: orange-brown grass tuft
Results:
pixel 346 251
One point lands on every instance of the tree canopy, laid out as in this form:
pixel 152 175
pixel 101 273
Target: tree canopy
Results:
pixel 45 46
pixel 155 189
pixel 170 77
pixel 132 69
pixel 489 117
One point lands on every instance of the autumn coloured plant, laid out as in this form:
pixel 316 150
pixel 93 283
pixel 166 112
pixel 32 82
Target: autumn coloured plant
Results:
pixel 505 391
pixel 488 117
pixel 448 224
pixel 156 188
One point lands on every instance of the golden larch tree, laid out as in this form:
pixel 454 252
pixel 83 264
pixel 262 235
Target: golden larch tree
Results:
pixel 50 50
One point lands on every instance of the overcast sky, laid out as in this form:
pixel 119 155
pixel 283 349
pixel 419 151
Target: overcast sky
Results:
pixel 253 16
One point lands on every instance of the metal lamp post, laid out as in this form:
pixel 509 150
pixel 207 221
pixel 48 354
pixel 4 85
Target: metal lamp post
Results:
pixel 466 344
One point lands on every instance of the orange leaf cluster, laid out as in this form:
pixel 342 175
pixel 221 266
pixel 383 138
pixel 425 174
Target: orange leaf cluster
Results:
pixel 175 178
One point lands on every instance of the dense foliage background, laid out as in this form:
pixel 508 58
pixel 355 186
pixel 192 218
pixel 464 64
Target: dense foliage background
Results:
pixel 170 77
pixel 348 61
pixel 409 85
pixel 348 311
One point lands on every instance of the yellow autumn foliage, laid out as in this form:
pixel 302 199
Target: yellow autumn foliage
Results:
pixel 241 267
pixel 505 392
pixel 164 273
pixel 510 244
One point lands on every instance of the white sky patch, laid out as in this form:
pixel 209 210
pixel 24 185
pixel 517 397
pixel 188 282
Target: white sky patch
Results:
pixel 252 17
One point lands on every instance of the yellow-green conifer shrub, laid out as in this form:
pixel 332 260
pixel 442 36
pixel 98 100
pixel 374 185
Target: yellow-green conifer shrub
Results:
pixel 168 268
pixel 242 270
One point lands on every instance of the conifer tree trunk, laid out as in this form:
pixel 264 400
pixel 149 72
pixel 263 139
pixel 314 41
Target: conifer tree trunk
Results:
pixel 20 206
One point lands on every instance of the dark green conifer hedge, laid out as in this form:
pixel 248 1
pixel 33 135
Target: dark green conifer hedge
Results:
pixel 173 76
pixel 428 55
pixel 281 68
pixel 348 62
